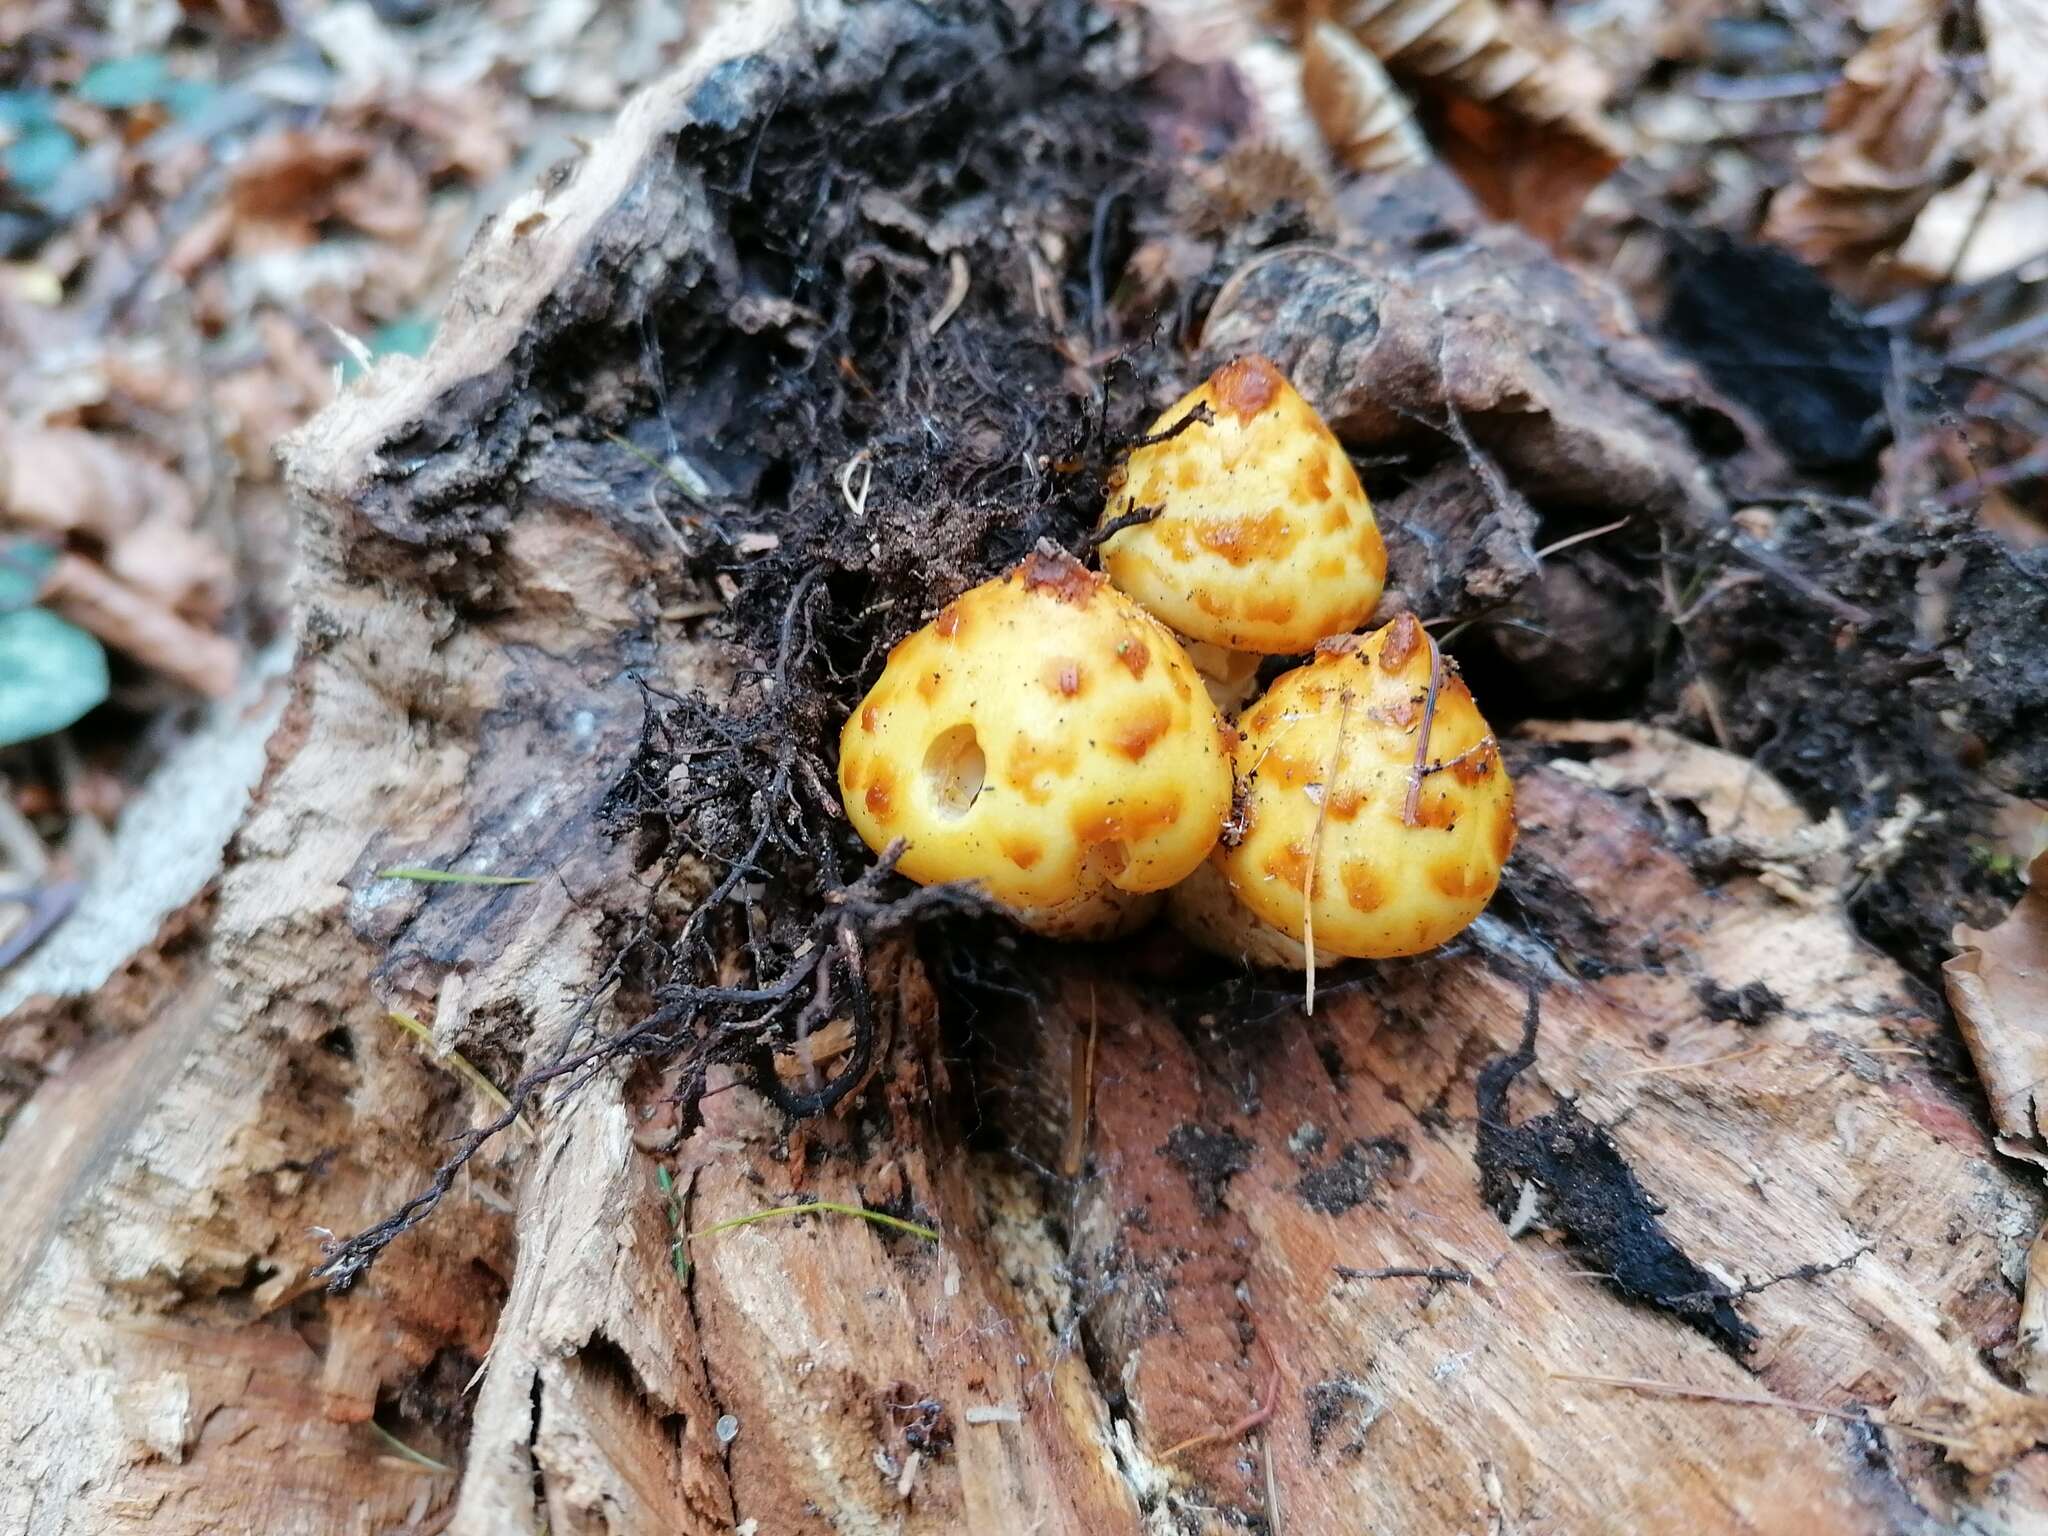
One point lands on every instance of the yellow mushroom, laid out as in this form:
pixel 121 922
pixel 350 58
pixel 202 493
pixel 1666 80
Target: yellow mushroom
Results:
pixel 1263 540
pixel 1395 851
pixel 1045 737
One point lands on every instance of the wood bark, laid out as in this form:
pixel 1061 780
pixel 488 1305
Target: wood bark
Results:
pixel 1201 1266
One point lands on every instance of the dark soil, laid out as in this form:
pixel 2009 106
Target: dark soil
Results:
pixel 1588 1192
pixel 1209 1158
pixel 1354 1176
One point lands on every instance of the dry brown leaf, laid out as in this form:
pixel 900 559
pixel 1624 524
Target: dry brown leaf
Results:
pixel 294 180
pixel 1998 986
pixel 183 570
pixel 1537 175
pixel 1509 58
pixel 245 18
pixel 140 627
pixel 1514 105
pixel 1893 125
pixel 2013 130
pixel 824 1045
pixel 1976 229
pixel 255 407
pixel 387 199
pixel 202 240
pixel 288 177
pixel 465 131
pixel 1367 122
pixel 138 515
pixel 65 480
pixel 1996 219
pixel 1733 797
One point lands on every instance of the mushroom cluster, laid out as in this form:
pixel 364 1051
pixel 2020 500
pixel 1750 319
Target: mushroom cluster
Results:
pixel 1059 736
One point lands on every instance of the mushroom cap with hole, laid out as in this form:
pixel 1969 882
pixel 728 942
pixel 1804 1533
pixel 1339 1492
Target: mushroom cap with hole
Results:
pixel 1264 540
pixel 1324 763
pixel 1045 737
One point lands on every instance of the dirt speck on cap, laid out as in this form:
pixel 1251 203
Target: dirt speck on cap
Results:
pixel 1246 386
pixel 1048 568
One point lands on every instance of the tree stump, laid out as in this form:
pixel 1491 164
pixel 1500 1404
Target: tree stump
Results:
pixel 1726 1246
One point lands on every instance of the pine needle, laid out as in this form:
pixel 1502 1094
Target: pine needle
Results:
pixel 452 877
pixel 400 1448
pixel 459 1064
pixel 879 1218
pixel 666 471
pixel 673 1206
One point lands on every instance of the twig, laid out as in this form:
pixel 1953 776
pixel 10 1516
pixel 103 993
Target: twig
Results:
pixel 1082 1101
pixel 1489 472
pixel 956 294
pixel 1652 1388
pixel 1134 518
pixel 48 905
pixel 1411 808
pixel 1970 233
pixel 1274 1524
pixel 1755 88
pixel 345 1261
pixel 1198 416
pixel 823 1097
pixel 1405 1272
pixel 2023 333
pixel 1579 538
pixel 1485 744
pixel 1775 568
pixel 666 471
pixel 1098 238
pixel 857 501
pixel 2029 466
pixel 1675 608
pixel 1263 1411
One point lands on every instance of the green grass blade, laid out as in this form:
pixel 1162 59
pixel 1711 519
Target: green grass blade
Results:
pixel 879 1219
pixel 459 1064
pixel 452 877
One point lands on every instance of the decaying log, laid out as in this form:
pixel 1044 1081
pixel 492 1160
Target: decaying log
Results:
pixel 1204 1262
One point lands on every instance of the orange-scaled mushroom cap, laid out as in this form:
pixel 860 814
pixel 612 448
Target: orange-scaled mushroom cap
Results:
pixel 1264 540
pixel 1045 737
pixel 1326 762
